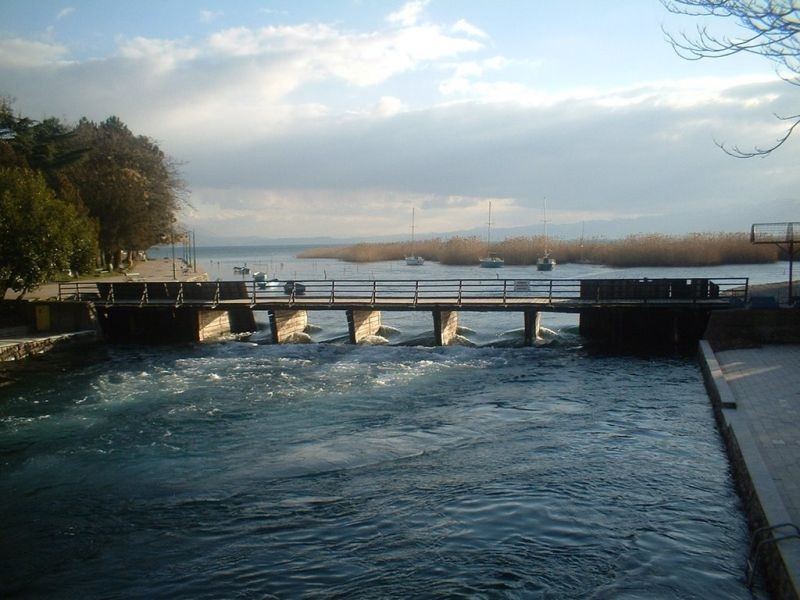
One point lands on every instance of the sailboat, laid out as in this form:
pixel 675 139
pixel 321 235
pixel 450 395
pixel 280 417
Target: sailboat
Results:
pixel 413 260
pixel 546 262
pixel 492 261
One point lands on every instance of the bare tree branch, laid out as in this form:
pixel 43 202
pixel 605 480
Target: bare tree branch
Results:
pixel 772 30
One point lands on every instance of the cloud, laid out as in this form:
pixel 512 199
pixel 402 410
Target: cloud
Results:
pixel 408 14
pixel 462 26
pixel 65 12
pixel 17 53
pixel 208 16
pixel 589 159
pixel 341 131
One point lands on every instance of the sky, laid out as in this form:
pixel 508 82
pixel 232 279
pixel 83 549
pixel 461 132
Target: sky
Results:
pixel 294 119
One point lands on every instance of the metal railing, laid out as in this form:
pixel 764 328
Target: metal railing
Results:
pixel 410 292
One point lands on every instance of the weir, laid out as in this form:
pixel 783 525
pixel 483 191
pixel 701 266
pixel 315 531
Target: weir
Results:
pixel 615 311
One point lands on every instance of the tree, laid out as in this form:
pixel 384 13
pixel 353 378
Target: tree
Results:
pixel 773 31
pixel 128 185
pixel 40 235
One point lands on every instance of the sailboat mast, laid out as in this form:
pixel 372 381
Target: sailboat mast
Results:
pixel 412 230
pixel 489 231
pixel 544 220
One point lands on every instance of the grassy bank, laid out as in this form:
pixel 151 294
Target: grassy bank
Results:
pixel 697 249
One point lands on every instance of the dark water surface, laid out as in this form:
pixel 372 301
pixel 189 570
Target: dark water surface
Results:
pixel 240 470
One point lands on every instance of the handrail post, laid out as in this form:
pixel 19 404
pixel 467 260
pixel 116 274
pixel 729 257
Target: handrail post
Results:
pixel 374 290
pixel 416 292
pixel 460 290
pixel 333 293
pixel 216 293
pixel 550 293
pixel 505 287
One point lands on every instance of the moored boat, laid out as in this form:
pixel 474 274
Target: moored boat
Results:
pixel 491 260
pixel 546 262
pixel 413 260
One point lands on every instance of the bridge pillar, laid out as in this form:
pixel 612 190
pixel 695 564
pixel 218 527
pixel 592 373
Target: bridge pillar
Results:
pixel 533 320
pixel 287 323
pixel 363 323
pixel 445 326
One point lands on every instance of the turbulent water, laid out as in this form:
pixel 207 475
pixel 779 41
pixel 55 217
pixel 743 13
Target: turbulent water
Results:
pixel 249 470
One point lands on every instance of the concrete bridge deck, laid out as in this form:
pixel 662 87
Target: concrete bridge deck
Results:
pixel 614 310
pixel 554 295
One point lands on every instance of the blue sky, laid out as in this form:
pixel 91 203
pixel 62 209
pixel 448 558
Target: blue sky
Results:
pixel 336 117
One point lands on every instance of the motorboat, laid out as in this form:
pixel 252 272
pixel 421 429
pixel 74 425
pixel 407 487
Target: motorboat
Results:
pixel 294 288
pixel 262 283
pixel 545 263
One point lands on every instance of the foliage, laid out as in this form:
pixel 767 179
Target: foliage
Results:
pixel 40 235
pixel 772 30
pixel 122 182
pixel 128 185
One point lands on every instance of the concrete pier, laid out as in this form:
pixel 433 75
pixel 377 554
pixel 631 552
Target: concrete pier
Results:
pixel 363 323
pixel 756 398
pixel 286 325
pixel 445 326
pixel 532 323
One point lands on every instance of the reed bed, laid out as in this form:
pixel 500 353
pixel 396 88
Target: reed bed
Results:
pixel 651 250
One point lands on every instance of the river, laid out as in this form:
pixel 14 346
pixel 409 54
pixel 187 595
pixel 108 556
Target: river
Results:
pixel 249 470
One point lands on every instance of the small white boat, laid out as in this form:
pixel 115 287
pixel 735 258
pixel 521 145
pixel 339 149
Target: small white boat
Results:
pixel 413 260
pixel 491 261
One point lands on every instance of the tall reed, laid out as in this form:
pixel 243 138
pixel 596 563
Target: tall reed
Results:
pixel 643 250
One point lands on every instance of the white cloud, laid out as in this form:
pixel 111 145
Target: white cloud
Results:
pixel 340 130
pixel 408 14
pixel 208 16
pixel 21 54
pixel 389 106
pixel 159 54
pixel 65 12
pixel 462 26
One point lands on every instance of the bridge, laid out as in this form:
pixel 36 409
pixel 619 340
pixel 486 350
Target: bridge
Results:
pixel 608 308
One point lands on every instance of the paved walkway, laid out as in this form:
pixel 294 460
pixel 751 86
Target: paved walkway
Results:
pixel 764 385
pixel 147 270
